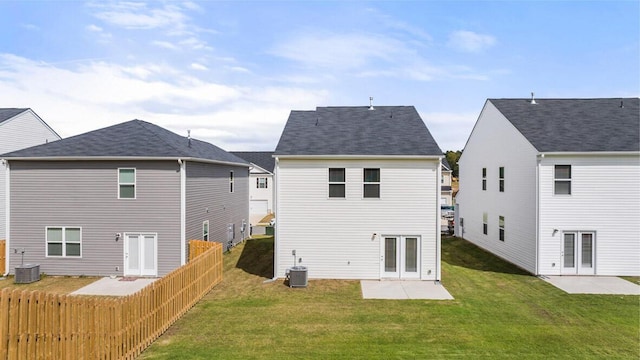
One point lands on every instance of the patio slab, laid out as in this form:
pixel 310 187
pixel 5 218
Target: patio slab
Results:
pixel 118 286
pixel 593 285
pixel 398 290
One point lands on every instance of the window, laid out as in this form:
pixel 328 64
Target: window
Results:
pixel 501 226
pixel 562 179
pixel 205 230
pixel 126 183
pixel 485 223
pixel 484 178
pixel 336 183
pixel 371 183
pixel 502 179
pixel 230 181
pixel 261 183
pixel 64 241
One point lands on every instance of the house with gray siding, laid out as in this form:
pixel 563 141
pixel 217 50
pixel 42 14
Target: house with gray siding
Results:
pixel 358 194
pixel 558 194
pixel 122 200
pixel 19 128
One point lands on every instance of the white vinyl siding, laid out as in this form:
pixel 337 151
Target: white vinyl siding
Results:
pixel 342 239
pixel 605 200
pixel 517 204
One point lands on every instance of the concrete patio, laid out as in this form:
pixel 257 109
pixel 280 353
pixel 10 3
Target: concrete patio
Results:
pixel 399 290
pixel 118 286
pixel 593 285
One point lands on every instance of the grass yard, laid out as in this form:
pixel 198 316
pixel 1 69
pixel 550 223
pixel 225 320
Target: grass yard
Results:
pixel 52 284
pixel 499 312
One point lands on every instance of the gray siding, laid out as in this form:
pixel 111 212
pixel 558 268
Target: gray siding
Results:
pixel 84 194
pixel 208 198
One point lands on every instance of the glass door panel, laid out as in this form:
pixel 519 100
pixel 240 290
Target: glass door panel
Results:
pixel 390 255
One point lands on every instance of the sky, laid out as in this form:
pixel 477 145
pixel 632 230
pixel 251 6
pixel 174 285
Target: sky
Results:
pixel 231 71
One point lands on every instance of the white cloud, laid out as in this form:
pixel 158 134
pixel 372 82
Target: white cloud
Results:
pixel 136 15
pixel 196 66
pixel 165 45
pixel 468 41
pixel 94 28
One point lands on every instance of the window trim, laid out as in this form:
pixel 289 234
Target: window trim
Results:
pixel 568 180
pixel 343 183
pixel 135 184
pixel 501 178
pixel 231 181
pixel 485 223
pixel 205 235
pixel 501 232
pixel 484 179
pixel 63 242
pixel 365 183
pixel 265 183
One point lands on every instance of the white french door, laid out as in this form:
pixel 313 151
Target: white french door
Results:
pixel 400 257
pixel 578 253
pixel 140 254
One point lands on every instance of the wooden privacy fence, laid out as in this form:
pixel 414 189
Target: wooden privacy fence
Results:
pixel 37 325
pixel 3 250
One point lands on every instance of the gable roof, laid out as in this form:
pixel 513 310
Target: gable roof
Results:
pixel 575 125
pixel 445 164
pixel 131 139
pixel 8 113
pixel 264 159
pixel 386 130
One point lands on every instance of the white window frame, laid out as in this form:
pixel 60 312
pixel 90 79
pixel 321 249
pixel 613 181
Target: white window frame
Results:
pixel 365 183
pixel 63 242
pixel 343 183
pixel 485 223
pixel 565 180
pixel 205 234
pixel 501 232
pixel 501 179
pixel 135 186
pixel 484 179
pixel 262 183
pixel 231 180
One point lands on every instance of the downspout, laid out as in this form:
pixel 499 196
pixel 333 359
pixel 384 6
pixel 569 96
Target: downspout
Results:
pixel 438 219
pixel 183 211
pixel 276 186
pixel 7 214
pixel 538 214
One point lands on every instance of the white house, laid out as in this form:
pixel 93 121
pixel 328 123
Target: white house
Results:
pixel 358 194
pixel 260 182
pixel 19 129
pixel 559 193
pixel 446 191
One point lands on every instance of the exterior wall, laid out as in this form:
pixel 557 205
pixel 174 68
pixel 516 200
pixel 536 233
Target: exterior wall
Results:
pixel 517 203
pixel 22 131
pixel 208 198
pixel 334 237
pixel 446 194
pixel 85 194
pixel 605 198
pixel 263 194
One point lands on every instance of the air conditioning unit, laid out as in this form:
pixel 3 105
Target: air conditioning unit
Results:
pixel 27 273
pixel 298 276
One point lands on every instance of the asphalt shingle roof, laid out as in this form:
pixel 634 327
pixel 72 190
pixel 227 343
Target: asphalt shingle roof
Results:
pixel 8 113
pixel 135 138
pixel 576 125
pixel 387 130
pixel 264 159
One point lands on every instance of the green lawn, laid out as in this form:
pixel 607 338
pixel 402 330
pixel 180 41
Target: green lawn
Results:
pixel 499 312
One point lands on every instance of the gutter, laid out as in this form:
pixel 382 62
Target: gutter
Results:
pixel 7 220
pixel 126 158
pixel 359 157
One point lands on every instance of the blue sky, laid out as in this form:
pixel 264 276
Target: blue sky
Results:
pixel 231 71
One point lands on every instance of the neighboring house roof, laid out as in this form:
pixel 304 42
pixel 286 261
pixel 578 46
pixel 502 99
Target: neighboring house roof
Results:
pixel 576 125
pixel 135 139
pixel 445 164
pixel 264 159
pixel 8 113
pixel 386 130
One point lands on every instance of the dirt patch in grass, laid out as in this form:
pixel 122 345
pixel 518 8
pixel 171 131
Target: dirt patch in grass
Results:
pixel 52 284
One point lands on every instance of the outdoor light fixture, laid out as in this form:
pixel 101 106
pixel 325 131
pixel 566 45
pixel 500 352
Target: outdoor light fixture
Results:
pixel 554 232
pixel 117 236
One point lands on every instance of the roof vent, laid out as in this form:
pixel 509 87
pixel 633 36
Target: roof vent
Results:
pixel 371 103
pixel 533 99
pixel 189 137
pixel 621 104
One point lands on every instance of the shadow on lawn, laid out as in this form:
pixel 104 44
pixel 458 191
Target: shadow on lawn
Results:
pixel 257 257
pixel 460 252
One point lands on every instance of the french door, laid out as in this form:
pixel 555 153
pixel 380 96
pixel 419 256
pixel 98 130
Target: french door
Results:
pixel 401 257
pixel 578 253
pixel 140 254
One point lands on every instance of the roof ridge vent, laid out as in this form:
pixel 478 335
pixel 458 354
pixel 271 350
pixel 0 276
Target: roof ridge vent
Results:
pixel 533 99
pixel 371 103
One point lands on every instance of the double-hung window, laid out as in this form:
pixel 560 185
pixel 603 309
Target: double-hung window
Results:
pixel 230 181
pixel 337 182
pixel 371 183
pixel 205 230
pixel 64 241
pixel 484 178
pixel 485 223
pixel 501 179
pixel 261 183
pixel 501 227
pixel 562 180
pixel 126 183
